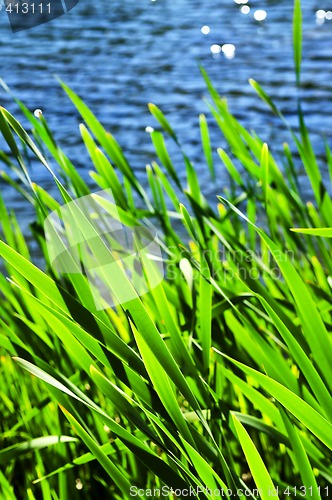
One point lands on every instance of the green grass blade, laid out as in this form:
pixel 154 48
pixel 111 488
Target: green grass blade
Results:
pixel 257 467
pixel 117 476
pixel 20 449
pixel 301 459
pixel 297 39
pixel 205 136
pixel 325 232
pixel 317 424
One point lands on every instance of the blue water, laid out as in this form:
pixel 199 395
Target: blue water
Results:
pixel 120 55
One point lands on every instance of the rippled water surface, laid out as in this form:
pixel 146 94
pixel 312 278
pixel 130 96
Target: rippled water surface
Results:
pixel 120 55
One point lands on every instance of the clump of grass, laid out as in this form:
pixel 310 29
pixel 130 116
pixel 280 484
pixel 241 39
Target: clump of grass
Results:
pixel 219 378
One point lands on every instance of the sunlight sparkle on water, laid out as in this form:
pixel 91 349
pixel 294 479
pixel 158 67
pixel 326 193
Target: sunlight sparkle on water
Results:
pixel 260 15
pixel 215 48
pixel 228 50
pixel 205 30
pixel 245 9
pixel 240 2
pixel 320 14
pixel 149 129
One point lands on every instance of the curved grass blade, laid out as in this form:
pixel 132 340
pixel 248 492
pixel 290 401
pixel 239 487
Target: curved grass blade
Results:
pixel 257 467
pixel 309 417
pixel 20 449
pixel 325 232
pixel 118 476
pixel 300 458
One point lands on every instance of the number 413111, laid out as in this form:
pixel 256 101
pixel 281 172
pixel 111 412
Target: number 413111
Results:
pixel 303 491
pixel 26 8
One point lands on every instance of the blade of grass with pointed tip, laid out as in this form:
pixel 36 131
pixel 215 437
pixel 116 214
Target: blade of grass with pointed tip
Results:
pixel 160 147
pixel 297 39
pixel 317 424
pixel 325 232
pixel 232 170
pixel 16 450
pixel 112 470
pixel 160 117
pixel 205 137
pixel 300 458
pixel 257 467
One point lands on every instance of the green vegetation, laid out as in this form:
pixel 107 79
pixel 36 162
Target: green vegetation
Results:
pixel 221 376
